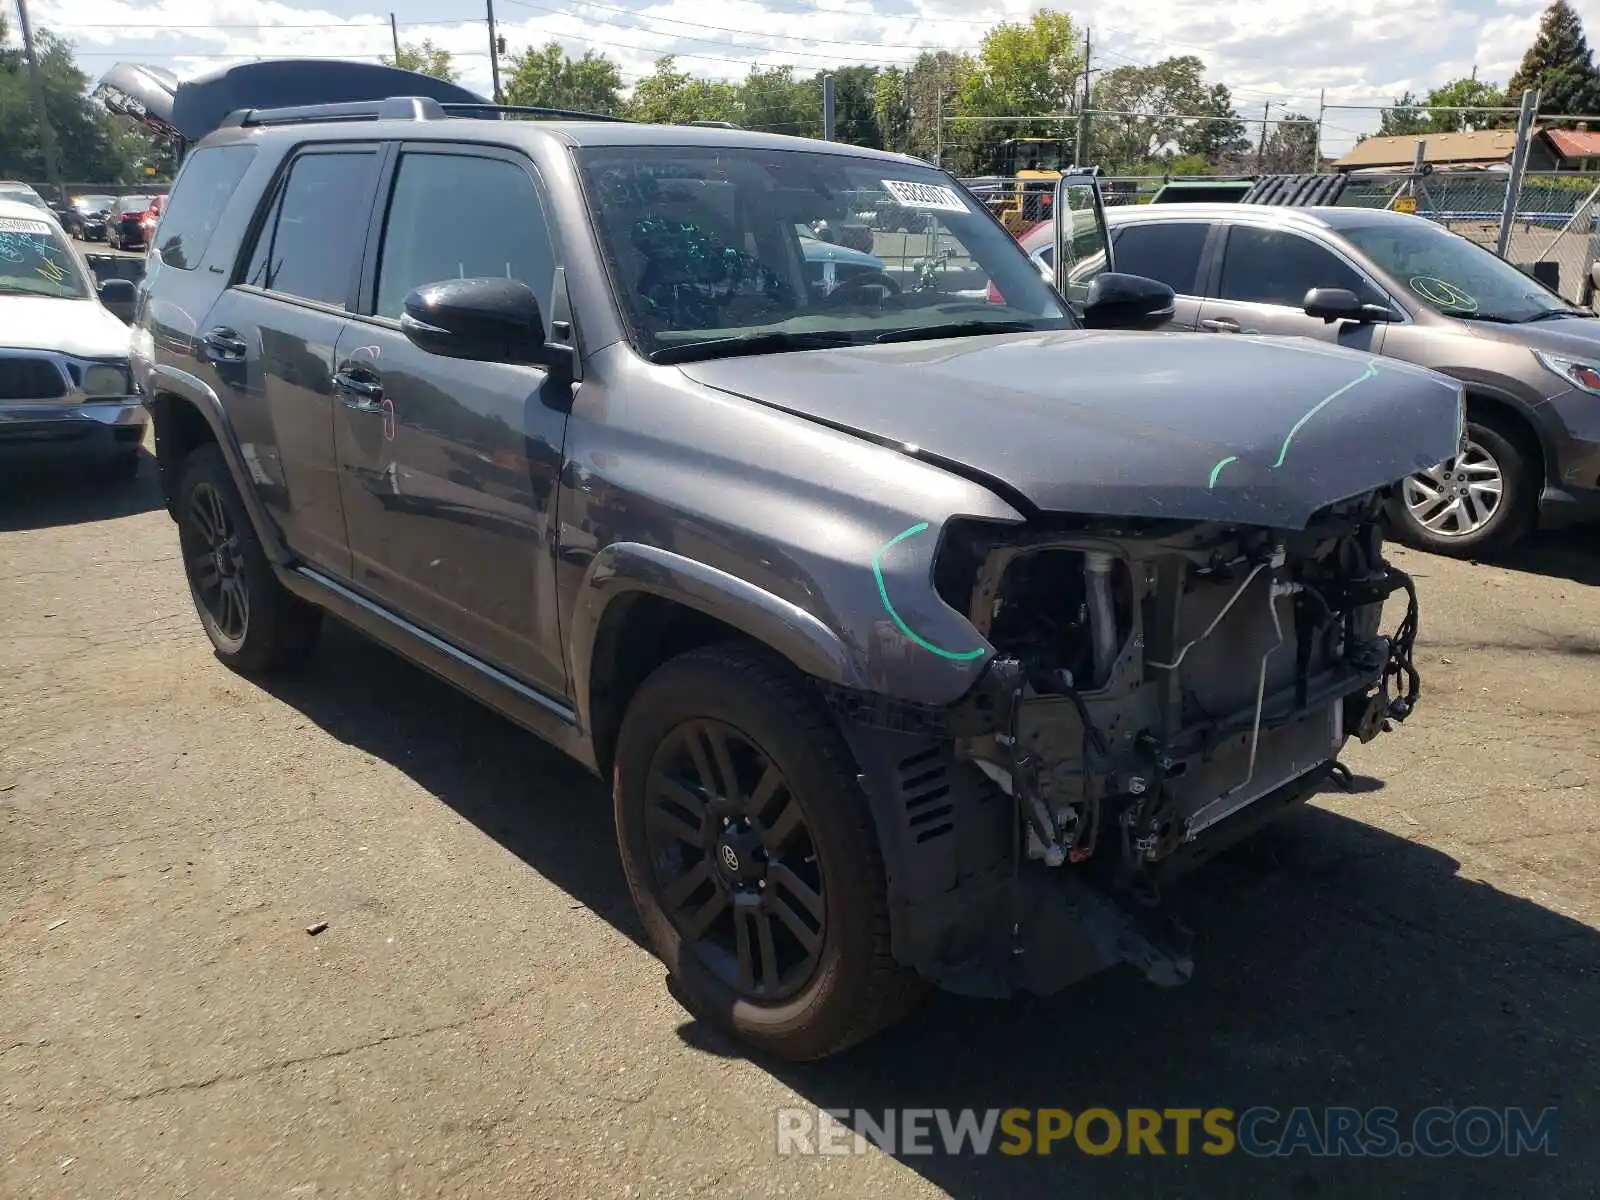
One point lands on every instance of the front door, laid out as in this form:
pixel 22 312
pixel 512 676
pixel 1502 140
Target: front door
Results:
pixel 1170 252
pixel 1262 286
pixel 448 466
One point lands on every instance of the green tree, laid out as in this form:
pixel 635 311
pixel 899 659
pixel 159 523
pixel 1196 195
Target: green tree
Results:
pixel 1467 92
pixel 1292 146
pixel 1407 117
pixel 891 108
pixel 85 145
pixel 855 118
pixel 668 96
pixel 1156 100
pixel 775 102
pixel 1022 69
pixel 549 78
pixel 934 84
pixel 424 58
pixel 1558 65
pixel 1221 137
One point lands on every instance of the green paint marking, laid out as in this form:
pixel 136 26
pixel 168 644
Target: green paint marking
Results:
pixel 1217 470
pixel 883 594
pixel 1370 373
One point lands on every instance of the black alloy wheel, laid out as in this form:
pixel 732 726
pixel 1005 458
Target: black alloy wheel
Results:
pixel 216 564
pixel 734 864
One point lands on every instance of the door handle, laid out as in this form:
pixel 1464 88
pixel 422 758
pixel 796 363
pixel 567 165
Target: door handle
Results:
pixel 1220 325
pixel 362 395
pixel 224 345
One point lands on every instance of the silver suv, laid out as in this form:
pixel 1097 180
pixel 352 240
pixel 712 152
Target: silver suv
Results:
pixel 1403 287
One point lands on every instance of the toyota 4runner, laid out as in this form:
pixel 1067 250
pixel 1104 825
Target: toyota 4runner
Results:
pixel 925 625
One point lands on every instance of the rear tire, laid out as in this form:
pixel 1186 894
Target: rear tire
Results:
pixel 1453 509
pixel 254 623
pixel 738 852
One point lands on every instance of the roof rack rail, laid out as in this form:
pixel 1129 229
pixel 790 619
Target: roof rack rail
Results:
pixel 530 110
pixel 398 108
pixel 395 108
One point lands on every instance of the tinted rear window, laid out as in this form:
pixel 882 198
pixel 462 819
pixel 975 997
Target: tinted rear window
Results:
pixel 1168 251
pixel 201 193
pixel 309 243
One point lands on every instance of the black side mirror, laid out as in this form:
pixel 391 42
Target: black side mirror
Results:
pixel 118 295
pixel 489 320
pixel 1341 304
pixel 1117 301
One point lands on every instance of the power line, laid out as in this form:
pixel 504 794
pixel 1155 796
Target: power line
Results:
pixel 846 58
pixel 787 37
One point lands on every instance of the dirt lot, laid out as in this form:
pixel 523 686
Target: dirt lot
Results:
pixel 479 1018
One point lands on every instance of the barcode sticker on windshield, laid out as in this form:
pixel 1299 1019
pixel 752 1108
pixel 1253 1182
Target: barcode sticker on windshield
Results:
pixel 18 225
pixel 925 195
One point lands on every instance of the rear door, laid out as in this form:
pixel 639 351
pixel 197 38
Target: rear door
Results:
pixel 270 339
pixel 449 466
pixel 1171 252
pixel 1263 279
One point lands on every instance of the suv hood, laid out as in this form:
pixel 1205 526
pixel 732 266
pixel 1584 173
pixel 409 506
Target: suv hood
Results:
pixel 1260 431
pixel 85 328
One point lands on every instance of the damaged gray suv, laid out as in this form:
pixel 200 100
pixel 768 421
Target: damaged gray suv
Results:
pixel 925 627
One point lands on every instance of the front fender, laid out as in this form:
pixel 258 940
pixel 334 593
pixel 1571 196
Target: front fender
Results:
pixel 167 385
pixel 630 567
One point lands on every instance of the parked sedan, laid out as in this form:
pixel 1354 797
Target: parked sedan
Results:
pixel 125 222
pixel 88 217
pixel 1403 287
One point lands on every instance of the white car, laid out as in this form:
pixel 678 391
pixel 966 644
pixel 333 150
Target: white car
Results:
pixel 66 392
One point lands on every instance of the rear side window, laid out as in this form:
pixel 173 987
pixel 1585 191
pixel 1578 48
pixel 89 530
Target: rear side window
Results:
pixel 310 241
pixel 456 216
pixel 201 194
pixel 1167 251
pixel 1271 266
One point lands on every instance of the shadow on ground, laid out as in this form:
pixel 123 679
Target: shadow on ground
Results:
pixel 1561 554
pixel 39 497
pixel 1338 965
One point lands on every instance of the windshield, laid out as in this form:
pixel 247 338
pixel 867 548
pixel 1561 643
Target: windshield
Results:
pixel 718 250
pixel 92 204
pixel 1451 274
pixel 33 262
pixel 133 204
pixel 25 196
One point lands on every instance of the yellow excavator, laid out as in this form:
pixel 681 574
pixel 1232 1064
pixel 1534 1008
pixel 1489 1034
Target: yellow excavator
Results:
pixel 1028 170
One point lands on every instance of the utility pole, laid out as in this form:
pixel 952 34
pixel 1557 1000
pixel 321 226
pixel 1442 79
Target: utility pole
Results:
pixel 938 119
pixel 395 29
pixel 47 133
pixel 1261 146
pixel 494 54
pixel 1080 150
pixel 1519 165
pixel 827 108
pixel 1316 151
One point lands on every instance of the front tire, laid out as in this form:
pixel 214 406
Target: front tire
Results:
pixel 254 624
pixel 752 857
pixel 1483 500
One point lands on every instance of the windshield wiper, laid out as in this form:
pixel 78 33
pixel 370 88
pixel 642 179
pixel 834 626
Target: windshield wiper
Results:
pixel 1472 314
pixel 922 333
pixel 755 343
pixel 1553 313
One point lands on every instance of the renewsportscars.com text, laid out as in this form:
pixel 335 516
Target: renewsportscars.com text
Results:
pixel 1261 1132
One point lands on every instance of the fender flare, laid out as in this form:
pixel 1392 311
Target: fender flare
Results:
pixel 167 381
pixel 624 568
pixel 1492 392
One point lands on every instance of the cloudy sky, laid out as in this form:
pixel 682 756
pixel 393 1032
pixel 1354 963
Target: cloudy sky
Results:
pixel 1282 53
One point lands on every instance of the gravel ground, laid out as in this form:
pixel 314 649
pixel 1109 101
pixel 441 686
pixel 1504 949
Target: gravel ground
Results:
pixel 480 1019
